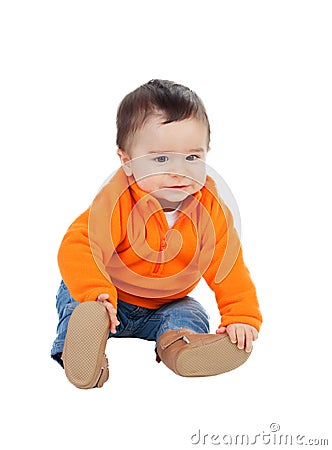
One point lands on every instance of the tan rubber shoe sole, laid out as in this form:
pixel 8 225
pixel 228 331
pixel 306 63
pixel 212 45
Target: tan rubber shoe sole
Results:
pixel 84 358
pixel 192 354
pixel 213 358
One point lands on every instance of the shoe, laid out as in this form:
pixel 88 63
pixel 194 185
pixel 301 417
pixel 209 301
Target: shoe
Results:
pixel 191 354
pixel 83 356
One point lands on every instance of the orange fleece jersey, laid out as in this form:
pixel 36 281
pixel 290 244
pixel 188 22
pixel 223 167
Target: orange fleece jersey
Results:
pixel 122 246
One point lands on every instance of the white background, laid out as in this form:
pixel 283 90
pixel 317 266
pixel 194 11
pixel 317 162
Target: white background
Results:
pixel 264 71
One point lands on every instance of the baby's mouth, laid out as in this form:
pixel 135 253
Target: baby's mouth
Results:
pixel 182 186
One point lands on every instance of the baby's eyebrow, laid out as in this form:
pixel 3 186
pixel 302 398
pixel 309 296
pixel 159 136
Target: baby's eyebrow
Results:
pixel 194 150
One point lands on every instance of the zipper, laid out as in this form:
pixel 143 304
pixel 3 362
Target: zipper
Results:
pixel 184 338
pixel 162 247
pixel 100 375
pixel 160 255
pixel 102 370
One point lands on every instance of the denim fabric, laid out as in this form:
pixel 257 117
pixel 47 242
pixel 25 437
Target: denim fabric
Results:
pixel 136 321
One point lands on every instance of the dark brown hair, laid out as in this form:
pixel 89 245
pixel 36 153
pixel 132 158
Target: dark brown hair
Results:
pixel 175 101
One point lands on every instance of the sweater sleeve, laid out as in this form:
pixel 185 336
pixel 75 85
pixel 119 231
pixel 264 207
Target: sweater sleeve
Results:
pixel 227 274
pixel 85 250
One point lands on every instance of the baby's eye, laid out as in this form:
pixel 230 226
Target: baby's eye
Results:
pixel 192 157
pixel 161 159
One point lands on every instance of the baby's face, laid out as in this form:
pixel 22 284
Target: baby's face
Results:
pixel 168 160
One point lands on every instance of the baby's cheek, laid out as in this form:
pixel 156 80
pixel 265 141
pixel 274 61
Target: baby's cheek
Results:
pixel 147 184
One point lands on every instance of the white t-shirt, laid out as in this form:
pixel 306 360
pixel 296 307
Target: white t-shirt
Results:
pixel 171 217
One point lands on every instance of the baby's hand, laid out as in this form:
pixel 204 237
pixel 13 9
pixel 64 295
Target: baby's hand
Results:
pixel 240 333
pixel 102 298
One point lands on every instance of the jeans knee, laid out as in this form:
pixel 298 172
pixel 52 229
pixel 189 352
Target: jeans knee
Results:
pixel 198 316
pixel 185 313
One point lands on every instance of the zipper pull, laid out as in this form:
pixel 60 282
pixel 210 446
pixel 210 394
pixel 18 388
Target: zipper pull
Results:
pixel 163 244
pixel 176 339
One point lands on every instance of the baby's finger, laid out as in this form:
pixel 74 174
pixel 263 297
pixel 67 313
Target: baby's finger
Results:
pixel 103 297
pixel 111 313
pixel 231 333
pixel 241 337
pixel 113 318
pixel 112 327
pixel 221 330
pixel 254 333
pixel 249 340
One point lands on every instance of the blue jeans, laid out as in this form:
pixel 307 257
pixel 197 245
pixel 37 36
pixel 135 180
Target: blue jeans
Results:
pixel 136 321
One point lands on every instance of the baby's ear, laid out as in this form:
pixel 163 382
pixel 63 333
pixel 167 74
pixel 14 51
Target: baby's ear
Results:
pixel 125 161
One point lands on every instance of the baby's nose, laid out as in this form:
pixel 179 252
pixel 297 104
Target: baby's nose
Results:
pixel 178 165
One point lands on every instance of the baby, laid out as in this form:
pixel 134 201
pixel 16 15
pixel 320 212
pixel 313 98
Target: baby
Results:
pixel 130 261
